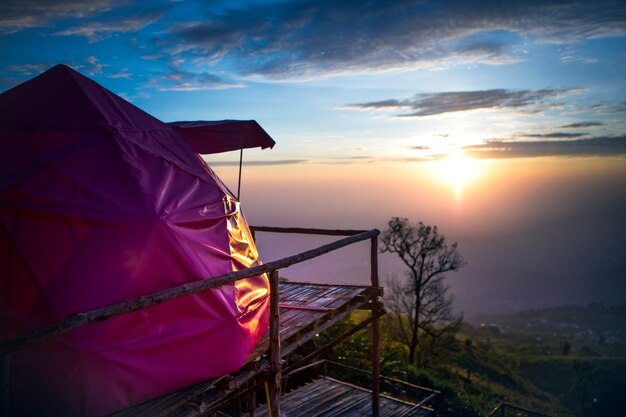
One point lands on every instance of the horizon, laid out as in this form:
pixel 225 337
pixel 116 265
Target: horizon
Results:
pixel 503 124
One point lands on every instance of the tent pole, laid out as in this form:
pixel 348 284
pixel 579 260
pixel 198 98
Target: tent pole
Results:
pixel 240 164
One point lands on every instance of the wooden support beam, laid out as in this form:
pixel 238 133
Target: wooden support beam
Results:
pixel 215 403
pixel 227 383
pixel 252 404
pixel 211 400
pixel 275 354
pixel 284 376
pixel 375 353
pixel 374 261
pixel 375 368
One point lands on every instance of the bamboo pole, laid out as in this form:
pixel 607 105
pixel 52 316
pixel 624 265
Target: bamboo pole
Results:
pixel 315 364
pixel 306 231
pixel 422 405
pixel 275 354
pixel 505 405
pixel 386 378
pixel 78 320
pixel 210 400
pixel 246 391
pixel 498 407
pixel 374 260
pixel 375 368
pixel 375 331
pixel 252 404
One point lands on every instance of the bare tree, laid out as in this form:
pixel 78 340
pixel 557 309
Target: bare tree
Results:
pixel 420 304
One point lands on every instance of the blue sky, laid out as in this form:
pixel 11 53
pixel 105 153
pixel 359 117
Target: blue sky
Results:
pixel 431 74
pixel 495 119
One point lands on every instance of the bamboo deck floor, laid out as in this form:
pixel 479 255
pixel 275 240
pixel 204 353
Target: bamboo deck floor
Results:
pixel 305 309
pixel 304 306
pixel 328 397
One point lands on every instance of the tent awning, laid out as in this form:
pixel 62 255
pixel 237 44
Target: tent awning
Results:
pixel 223 136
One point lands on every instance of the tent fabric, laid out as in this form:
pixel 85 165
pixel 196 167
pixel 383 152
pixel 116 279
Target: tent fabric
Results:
pixel 223 136
pixel 101 202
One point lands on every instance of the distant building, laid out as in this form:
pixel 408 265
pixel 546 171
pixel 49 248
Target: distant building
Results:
pixel 490 329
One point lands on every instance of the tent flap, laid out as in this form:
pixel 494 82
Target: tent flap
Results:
pixel 223 136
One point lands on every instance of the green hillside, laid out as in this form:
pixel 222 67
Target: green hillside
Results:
pixel 557 373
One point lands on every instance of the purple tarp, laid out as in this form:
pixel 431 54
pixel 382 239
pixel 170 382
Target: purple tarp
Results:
pixel 101 202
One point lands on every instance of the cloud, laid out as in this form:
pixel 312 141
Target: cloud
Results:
pixel 554 135
pixel 311 38
pixel 122 74
pixel 611 108
pixel 257 163
pixel 582 125
pixel 89 65
pixel 92 66
pixel 596 146
pixel 151 57
pixel 97 31
pixel 569 58
pixel 132 98
pixel 8 82
pixel 186 81
pixel 422 105
pixel 16 15
pixel 29 70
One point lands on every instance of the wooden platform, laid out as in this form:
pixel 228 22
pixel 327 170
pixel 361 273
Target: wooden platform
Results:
pixel 305 309
pixel 328 397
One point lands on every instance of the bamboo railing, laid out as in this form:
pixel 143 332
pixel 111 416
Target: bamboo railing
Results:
pixel 502 406
pixel 79 320
pixel 427 404
pixel 375 352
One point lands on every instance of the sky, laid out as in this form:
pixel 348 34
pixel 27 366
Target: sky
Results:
pixel 503 123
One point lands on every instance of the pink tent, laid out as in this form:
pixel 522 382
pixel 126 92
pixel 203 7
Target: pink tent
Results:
pixel 101 202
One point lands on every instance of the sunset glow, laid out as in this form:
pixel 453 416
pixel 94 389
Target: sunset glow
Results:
pixel 458 170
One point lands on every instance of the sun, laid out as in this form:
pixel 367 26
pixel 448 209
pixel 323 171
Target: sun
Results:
pixel 458 170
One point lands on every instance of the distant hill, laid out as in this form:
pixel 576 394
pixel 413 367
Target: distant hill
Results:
pixel 605 323
pixel 570 358
pixel 567 362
